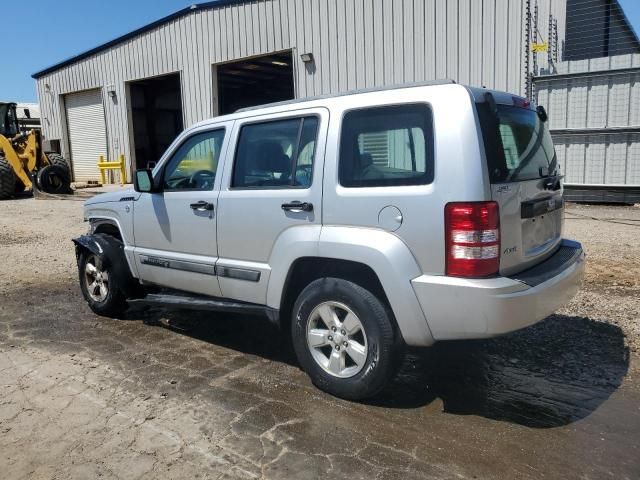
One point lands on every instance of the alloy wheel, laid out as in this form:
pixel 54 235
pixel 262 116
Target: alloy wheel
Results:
pixel 336 339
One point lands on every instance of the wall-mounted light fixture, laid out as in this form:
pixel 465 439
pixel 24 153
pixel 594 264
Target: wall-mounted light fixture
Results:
pixel 111 90
pixel 47 87
pixel 307 57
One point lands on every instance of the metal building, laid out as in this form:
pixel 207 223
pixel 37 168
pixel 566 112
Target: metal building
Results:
pixel 594 118
pixel 134 94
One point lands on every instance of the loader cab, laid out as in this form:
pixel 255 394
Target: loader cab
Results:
pixel 8 120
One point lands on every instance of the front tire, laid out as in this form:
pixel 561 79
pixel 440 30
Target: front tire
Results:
pixel 99 284
pixel 344 338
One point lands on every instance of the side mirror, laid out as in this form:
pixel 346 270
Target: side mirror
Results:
pixel 143 181
pixel 542 113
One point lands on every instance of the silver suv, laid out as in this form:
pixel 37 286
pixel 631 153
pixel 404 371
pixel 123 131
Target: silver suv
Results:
pixel 360 223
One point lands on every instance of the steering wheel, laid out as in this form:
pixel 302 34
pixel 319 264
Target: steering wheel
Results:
pixel 201 179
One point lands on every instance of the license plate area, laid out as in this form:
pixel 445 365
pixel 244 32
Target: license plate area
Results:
pixel 541 233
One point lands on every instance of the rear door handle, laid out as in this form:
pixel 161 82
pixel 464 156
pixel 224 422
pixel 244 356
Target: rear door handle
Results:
pixel 297 206
pixel 202 206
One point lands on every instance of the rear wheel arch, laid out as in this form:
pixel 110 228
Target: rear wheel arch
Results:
pixel 303 271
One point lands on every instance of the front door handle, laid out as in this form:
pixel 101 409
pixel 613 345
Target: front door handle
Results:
pixel 202 206
pixel 297 206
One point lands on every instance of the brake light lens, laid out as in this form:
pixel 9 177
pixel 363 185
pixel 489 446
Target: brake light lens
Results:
pixel 472 239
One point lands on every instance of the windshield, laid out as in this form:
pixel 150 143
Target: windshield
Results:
pixel 518 144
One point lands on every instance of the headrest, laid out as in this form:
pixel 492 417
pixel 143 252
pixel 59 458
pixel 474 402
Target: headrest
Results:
pixel 268 156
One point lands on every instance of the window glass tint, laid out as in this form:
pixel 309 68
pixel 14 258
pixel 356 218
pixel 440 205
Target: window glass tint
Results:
pixel 387 146
pixel 518 144
pixel 194 165
pixel 276 154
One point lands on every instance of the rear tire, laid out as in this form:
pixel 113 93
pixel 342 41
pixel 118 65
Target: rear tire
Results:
pixel 344 338
pixel 7 179
pixel 54 179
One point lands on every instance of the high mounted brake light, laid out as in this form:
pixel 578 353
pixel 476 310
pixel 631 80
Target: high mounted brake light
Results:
pixel 472 239
pixel 521 102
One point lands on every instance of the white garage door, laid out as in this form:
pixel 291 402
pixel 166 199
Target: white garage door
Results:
pixel 87 133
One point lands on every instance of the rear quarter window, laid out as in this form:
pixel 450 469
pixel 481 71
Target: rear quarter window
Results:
pixel 387 146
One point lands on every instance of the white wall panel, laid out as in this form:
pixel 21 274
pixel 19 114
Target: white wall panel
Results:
pixel 633 160
pixel 596 95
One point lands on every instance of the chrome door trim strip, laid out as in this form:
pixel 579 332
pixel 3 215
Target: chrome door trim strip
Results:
pixel 239 273
pixel 203 268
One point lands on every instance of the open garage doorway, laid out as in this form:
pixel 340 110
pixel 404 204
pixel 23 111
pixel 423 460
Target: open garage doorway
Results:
pixel 156 116
pixel 255 81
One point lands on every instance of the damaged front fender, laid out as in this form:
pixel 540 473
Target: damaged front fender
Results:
pixel 111 251
pixel 89 243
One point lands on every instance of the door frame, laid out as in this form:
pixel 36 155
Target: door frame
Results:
pixel 256 273
pixel 184 264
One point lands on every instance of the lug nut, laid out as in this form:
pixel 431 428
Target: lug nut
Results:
pixel 343 332
pixel 345 344
pixel 333 329
pixel 330 338
pixel 337 347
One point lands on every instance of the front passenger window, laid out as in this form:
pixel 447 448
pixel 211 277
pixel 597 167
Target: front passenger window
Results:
pixel 194 165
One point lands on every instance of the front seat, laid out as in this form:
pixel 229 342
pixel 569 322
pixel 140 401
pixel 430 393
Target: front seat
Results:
pixel 270 158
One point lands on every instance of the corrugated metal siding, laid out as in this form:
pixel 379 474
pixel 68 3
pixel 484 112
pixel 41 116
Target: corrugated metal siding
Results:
pixel 87 133
pixel 595 120
pixel 600 159
pixel 356 43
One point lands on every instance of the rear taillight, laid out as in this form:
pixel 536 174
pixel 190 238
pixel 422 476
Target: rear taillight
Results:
pixel 472 238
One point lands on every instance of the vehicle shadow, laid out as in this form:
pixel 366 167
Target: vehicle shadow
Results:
pixel 253 335
pixel 548 375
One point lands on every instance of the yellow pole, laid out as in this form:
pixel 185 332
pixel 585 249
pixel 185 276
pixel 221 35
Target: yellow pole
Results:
pixel 101 160
pixel 123 171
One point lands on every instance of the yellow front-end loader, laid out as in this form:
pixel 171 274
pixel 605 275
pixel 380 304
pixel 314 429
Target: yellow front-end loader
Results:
pixel 23 161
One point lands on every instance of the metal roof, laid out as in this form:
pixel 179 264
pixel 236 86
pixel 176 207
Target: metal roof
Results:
pixel 136 32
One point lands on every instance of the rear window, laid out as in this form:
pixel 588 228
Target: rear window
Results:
pixel 517 142
pixel 385 146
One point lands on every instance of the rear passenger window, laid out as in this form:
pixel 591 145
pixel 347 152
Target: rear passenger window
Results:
pixel 277 154
pixel 387 146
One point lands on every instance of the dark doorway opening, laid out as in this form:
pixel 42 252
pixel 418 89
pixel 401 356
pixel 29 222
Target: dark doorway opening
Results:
pixel 255 81
pixel 156 109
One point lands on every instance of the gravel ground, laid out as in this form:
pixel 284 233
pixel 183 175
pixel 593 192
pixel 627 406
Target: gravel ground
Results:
pixel 180 395
pixel 611 293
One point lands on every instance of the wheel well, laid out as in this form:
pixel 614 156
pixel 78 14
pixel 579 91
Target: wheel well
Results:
pixel 109 229
pixel 306 270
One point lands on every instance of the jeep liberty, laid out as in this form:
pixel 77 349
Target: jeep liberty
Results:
pixel 360 223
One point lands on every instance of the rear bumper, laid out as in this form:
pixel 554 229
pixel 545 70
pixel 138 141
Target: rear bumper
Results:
pixel 458 308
